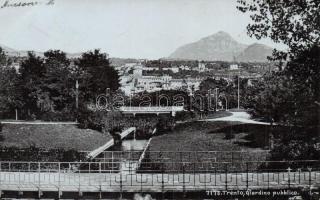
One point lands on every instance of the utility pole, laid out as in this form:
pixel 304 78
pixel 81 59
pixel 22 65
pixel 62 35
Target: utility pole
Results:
pixel 217 98
pixel 16 110
pixel 239 91
pixel 77 94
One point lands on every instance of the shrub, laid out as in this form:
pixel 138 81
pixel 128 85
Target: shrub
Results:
pixel 58 116
pixel 184 115
pixel 165 124
pixel 90 119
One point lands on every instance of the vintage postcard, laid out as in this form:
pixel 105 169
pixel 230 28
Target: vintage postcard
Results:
pixel 160 99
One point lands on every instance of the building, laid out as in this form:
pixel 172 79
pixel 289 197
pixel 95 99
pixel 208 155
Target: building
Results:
pixel 234 67
pixel 189 84
pixel 137 82
pixel 173 69
pixel 184 67
pixel 202 67
pixel 150 68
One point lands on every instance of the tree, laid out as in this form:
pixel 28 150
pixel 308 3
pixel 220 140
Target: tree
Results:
pixel 291 95
pixel 295 23
pixel 211 84
pixel 9 95
pixel 228 90
pixel 57 81
pixel 96 75
pixel 31 75
pixel 272 97
pixel 303 73
pixel 3 58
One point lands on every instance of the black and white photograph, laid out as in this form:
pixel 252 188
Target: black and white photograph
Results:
pixel 160 99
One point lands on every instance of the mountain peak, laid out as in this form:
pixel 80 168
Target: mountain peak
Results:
pixel 258 45
pixel 221 46
pixel 222 33
pixel 219 35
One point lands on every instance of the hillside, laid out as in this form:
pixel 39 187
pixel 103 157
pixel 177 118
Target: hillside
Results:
pixel 255 53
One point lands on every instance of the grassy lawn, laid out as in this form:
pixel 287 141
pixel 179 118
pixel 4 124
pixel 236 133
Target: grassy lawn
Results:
pixel 51 136
pixel 201 136
pixel 218 114
pixel 206 137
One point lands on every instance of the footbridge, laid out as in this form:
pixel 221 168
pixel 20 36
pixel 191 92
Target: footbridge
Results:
pixel 151 110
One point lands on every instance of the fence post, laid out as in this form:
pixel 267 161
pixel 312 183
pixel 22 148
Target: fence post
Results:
pixel 19 181
pixel 183 180
pixel 100 183
pixel 299 170
pixel 289 170
pixel 0 178
pixel 59 179
pixel 226 174
pixel 80 193
pixel 247 175
pixel 205 176
pixel 39 170
pixel 309 169
pixel 112 161
pixel 268 174
pixel 120 185
pixel 194 173
pixel 162 181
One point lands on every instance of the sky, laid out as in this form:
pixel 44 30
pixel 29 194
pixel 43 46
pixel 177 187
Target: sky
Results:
pixel 149 29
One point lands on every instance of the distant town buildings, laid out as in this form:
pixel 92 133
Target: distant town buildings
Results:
pixel 136 82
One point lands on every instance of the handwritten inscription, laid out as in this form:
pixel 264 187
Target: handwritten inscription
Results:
pixel 15 4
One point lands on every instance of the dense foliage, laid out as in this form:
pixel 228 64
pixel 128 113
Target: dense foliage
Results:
pixel 227 91
pixel 9 98
pixel 96 75
pixel 292 95
pixel 45 87
pixel 295 23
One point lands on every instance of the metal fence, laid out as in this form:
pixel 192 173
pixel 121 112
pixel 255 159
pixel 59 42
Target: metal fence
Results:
pixel 153 159
pixel 180 156
pixel 182 176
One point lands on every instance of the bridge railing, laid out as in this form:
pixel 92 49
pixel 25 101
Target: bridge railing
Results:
pixel 151 108
pixel 121 176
